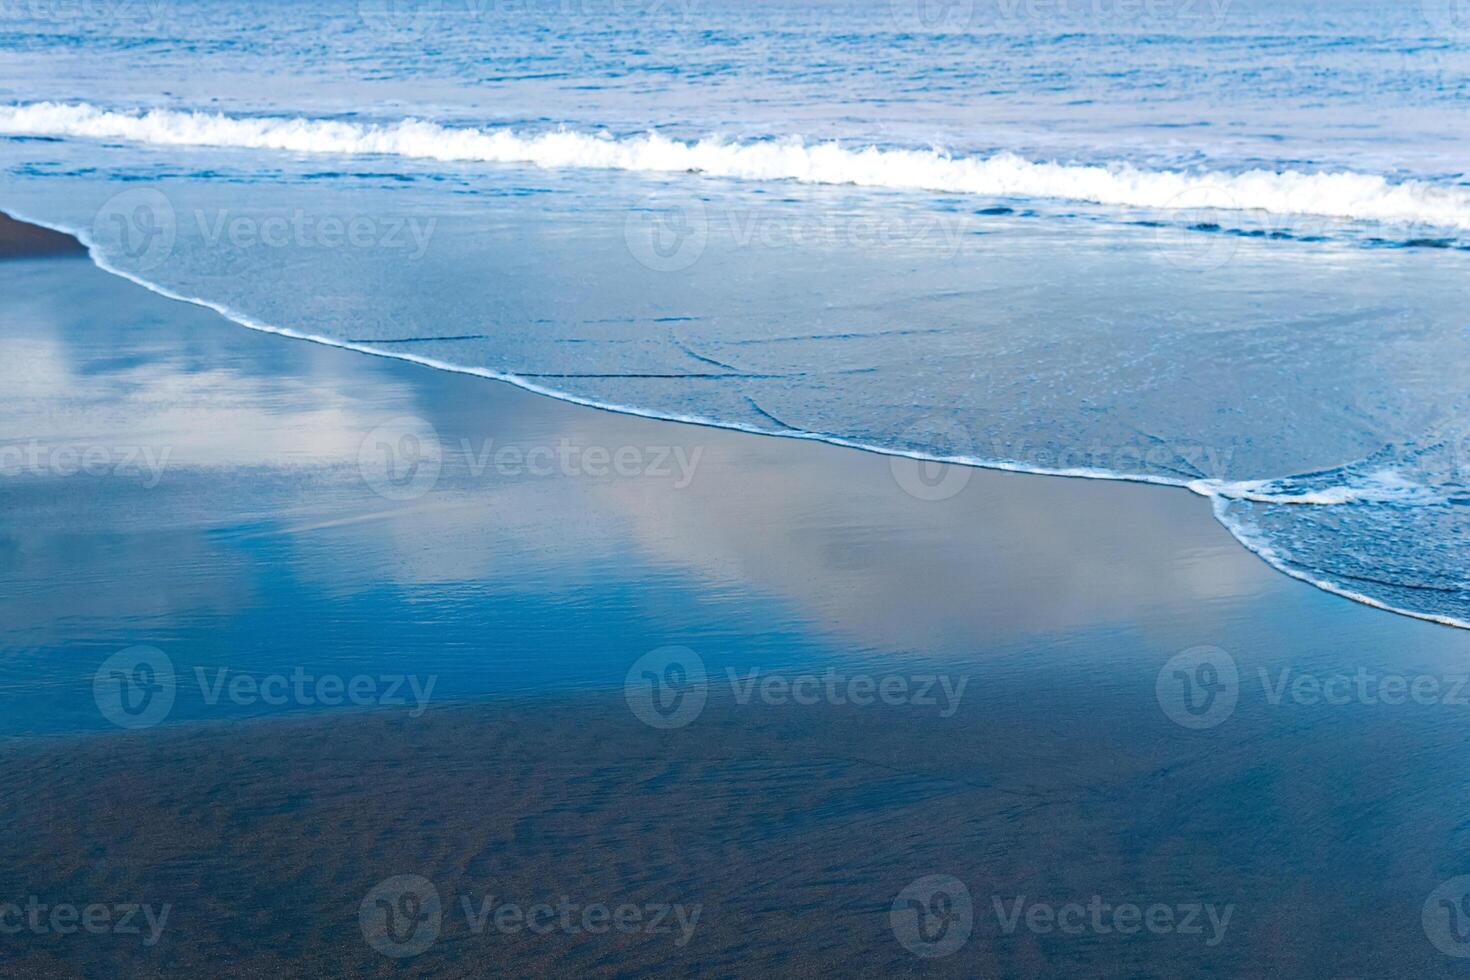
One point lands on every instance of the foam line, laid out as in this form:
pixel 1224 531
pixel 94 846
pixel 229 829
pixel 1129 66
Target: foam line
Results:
pixel 1343 194
pixel 1219 493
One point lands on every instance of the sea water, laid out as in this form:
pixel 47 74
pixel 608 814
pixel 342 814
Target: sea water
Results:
pixel 1223 244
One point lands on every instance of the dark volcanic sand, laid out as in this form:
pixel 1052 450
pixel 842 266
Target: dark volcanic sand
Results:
pixel 20 239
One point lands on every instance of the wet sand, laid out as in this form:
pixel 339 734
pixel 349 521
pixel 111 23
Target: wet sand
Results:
pixel 20 239
pixel 236 515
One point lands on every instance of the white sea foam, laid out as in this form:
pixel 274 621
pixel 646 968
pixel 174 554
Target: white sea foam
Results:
pixel 1345 194
pixel 1383 486
pixel 1267 552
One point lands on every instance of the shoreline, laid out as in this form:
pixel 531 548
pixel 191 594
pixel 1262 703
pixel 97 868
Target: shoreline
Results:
pixel 30 233
pixel 1032 629
pixel 20 239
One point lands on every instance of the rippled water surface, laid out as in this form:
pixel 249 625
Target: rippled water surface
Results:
pixel 1220 244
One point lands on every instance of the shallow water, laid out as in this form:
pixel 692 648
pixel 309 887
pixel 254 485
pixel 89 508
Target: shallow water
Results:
pixel 1313 799
pixel 240 518
pixel 1217 245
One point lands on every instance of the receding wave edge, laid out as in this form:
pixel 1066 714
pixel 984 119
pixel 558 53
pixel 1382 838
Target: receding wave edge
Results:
pixel 1220 493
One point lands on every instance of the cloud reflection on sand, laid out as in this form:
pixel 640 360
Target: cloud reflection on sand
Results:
pixel 264 438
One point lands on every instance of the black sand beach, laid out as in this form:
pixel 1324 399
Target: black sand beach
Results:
pixel 181 483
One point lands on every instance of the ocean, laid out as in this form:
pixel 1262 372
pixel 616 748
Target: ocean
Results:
pixel 1218 244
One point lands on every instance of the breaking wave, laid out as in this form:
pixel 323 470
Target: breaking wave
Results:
pixel 1342 195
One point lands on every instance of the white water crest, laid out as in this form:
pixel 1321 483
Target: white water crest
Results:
pixel 1344 194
